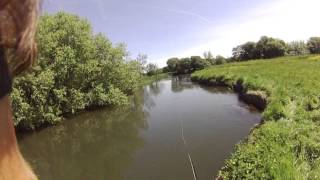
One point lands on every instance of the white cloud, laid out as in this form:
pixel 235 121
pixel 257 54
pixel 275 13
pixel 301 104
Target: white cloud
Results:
pixel 285 19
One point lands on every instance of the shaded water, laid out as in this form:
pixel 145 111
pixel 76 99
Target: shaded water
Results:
pixel 143 141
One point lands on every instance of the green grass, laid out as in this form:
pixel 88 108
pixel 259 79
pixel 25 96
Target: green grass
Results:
pixel 287 144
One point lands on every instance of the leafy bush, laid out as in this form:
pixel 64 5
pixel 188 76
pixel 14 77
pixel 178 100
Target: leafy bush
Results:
pixel 76 70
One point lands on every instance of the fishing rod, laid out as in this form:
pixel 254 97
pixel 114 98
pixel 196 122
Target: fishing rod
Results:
pixel 186 147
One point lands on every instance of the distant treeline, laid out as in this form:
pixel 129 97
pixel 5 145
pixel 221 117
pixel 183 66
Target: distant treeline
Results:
pixel 189 65
pixel 77 69
pixel 265 48
pixel 268 47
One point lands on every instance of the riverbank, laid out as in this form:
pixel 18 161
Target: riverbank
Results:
pixel 286 145
pixel 157 128
pixel 145 80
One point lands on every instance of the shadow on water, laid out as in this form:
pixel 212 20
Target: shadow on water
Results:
pixel 142 141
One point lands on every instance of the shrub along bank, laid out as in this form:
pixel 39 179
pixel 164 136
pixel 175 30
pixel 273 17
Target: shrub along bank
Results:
pixel 76 69
pixel 287 144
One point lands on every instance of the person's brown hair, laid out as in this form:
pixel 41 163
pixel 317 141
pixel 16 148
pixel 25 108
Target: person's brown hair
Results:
pixel 18 23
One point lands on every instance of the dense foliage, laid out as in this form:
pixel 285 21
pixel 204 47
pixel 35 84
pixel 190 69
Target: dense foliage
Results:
pixel 266 47
pixel 269 47
pixel 314 45
pixel 287 144
pixel 194 63
pixel 152 69
pixel 296 48
pixel 76 70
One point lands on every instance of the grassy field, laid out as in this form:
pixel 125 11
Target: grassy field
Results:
pixel 287 144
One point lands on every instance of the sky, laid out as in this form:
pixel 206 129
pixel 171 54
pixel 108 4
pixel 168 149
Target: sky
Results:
pixel 180 28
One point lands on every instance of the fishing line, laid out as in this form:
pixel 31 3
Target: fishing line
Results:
pixel 189 156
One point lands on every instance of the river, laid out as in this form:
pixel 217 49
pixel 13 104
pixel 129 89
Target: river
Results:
pixel 145 140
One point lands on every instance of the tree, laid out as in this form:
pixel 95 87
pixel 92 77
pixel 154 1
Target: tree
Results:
pixel 270 47
pixel 173 64
pixel 208 55
pixel 220 60
pixel 152 69
pixel 142 61
pixel 297 48
pixel 197 63
pixel 246 51
pixel 165 69
pixel 314 45
pixel 184 66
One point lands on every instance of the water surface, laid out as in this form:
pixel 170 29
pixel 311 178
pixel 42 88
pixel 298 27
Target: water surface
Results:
pixel 143 141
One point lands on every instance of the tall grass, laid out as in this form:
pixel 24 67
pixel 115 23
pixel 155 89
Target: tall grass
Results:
pixel 287 145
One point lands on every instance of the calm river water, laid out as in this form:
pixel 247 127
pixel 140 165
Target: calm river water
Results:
pixel 144 140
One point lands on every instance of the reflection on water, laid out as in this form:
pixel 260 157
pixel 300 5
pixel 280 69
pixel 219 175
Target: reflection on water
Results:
pixel 94 145
pixel 142 141
pixel 180 83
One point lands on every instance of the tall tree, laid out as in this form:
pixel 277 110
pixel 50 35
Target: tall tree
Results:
pixel 184 66
pixel 209 57
pixel 152 69
pixel 220 60
pixel 172 64
pixel 246 51
pixel 271 47
pixel 142 61
pixel 314 45
pixel 198 63
pixel 297 48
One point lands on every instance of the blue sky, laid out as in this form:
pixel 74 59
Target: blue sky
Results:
pixel 179 28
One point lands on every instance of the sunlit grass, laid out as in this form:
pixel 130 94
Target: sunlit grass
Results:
pixel 287 145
